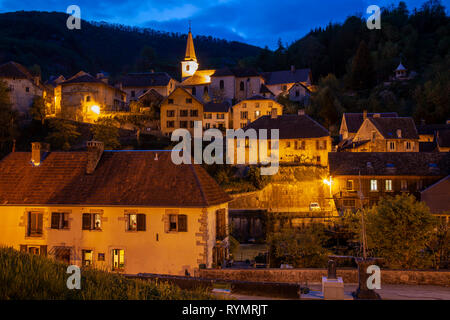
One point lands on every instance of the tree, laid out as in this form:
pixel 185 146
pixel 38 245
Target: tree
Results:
pixel 37 109
pixel 399 229
pixel 105 130
pixel 362 73
pixel 146 59
pixel 299 247
pixel 62 134
pixel 8 117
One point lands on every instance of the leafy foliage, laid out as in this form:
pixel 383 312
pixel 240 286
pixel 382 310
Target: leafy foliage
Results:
pixel 62 134
pixel 105 130
pixel 8 118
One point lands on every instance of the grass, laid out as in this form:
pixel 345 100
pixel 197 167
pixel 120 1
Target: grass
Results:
pixel 30 277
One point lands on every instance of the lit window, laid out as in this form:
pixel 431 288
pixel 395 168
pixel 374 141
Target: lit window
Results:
pixel 92 221
pixel 136 222
pixel 408 145
pixel 178 222
pixel 87 257
pixel 391 145
pixel 388 185
pixel 349 185
pixel 118 259
pixel 257 113
pixel 373 185
pixel 35 220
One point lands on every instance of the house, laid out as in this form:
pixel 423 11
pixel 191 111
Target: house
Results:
pixel 250 109
pixel 377 174
pixel 302 140
pixel 84 97
pixel 137 84
pixel 434 137
pixel 351 122
pixel 131 211
pixel 216 115
pixel 179 110
pixel 280 82
pixel 382 134
pixel 437 198
pixel 299 92
pixel 443 140
pixel 23 86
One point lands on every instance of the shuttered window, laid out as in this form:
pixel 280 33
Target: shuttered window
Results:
pixel 220 224
pixel 60 220
pixel 177 222
pixel 35 221
pixel 141 223
pixel 182 223
pixel 91 221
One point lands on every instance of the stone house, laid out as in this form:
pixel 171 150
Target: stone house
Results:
pixel 148 216
pixel 216 115
pixel 351 122
pixel 280 82
pixel 248 110
pixel 137 84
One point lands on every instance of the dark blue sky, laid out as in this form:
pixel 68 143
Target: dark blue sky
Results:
pixel 258 22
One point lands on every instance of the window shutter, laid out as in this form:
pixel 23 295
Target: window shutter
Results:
pixel 23 248
pixel 317 145
pixel 40 218
pixel 166 222
pixel 43 250
pixel 141 222
pixel 55 220
pixel 86 221
pixel 29 224
pixel 182 223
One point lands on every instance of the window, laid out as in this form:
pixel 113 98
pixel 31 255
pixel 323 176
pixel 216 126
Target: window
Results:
pixel 183 124
pixel 207 125
pixel 101 257
pixel 88 98
pixel 241 86
pixel 404 185
pixel 92 221
pixel 257 105
pixel 408 146
pixel 170 124
pixel 243 124
pixel 194 91
pixel 221 227
pixel 184 113
pixel 388 186
pixel 133 94
pixel 373 185
pixel 194 113
pixel 191 124
pixel 288 144
pixel 118 259
pixel 220 116
pixel 62 254
pixel 35 220
pixel 391 145
pixel 244 115
pixel 207 115
pixel 27 89
pixel 318 159
pixel 297 93
pixel 244 105
pixel 170 101
pixel 170 113
pixel 135 222
pixel 34 249
pixel 257 113
pixel 187 67
pixel 349 185
pixel 188 100
pixel 349 203
pixel 178 222
pixel 205 89
pixel 221 84
pixel 60 220
pixel 87 257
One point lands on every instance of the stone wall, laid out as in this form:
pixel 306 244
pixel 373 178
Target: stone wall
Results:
pixel 302 276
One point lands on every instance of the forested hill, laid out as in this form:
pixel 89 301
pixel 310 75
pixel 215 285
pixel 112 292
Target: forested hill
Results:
pixel 42 38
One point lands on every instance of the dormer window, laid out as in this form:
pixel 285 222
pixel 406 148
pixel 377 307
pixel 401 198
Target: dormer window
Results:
pixel 391 145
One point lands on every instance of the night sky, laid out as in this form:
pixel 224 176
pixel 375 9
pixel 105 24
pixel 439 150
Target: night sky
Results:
pixel 257 22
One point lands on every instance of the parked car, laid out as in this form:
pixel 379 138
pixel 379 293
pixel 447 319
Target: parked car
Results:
pixel 314 206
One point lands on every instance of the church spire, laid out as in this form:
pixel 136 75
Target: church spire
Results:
pixel 190 51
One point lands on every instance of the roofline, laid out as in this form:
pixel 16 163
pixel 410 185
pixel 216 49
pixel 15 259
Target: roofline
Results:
pixel 107 205
pixel 434 184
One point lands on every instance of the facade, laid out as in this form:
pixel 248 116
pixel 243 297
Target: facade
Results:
pixel 351 122
pixel 299 92
pixel 301 139
pixel 216 115
pixel 379 174
pixel 280 82
pixel 149 216
pixel 137 84
pixel 248 110
pixel 383 134
pixel 179 110
pixel 23 86
pixel 84 98
pixel 437 198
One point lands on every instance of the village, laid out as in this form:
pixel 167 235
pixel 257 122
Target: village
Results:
pixel 133 211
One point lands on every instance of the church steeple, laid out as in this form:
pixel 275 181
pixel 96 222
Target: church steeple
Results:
pixel 189 65
pixel 190 51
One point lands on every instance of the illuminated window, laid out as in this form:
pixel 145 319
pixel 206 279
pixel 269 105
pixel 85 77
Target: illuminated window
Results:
pixel 373 185
pixel 60 220
pixel 92 221
pixel 35 220
pixel 118 259
pixel 136 222
pixel 388 186
pixel 391 145
pixel 34 249
pixel 349 185
pixel 87 257
pixel 408 146
pixel 257 113
pixel 178 222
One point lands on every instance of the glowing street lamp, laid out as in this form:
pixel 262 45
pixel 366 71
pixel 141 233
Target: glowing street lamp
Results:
pixel 95 109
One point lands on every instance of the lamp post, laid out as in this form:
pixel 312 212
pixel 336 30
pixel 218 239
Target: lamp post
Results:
pixel 329 183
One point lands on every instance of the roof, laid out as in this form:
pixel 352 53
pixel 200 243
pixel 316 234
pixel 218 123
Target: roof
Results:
pixel 427 146
pixel 287 76
pixel 200 77
pixel 436 196
pixel 400 67
pixel 430 129
pixel 185 91
pixel 146 79
pixel 84 77
pixel 388 127
pixel 124 178
pixel 216 107
pixel 291 126
pixel 237 72
pixel 443 138
pixel 190 51
pixel 257 97
pixel 152 95
pixel 355 120
pixel 400 163
pixel 13 69
pixel 264 90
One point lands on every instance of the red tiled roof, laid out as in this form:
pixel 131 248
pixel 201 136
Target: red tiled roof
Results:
pixel 124 178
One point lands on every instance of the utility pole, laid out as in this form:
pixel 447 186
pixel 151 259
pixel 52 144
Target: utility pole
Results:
pixel 363 225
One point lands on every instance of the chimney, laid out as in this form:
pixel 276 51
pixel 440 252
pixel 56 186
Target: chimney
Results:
pixel 38 152
pixel 399 133
pixel 364 114
pixel 301 112
pixel 292 68
pixel 273 113
pixel 94 152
